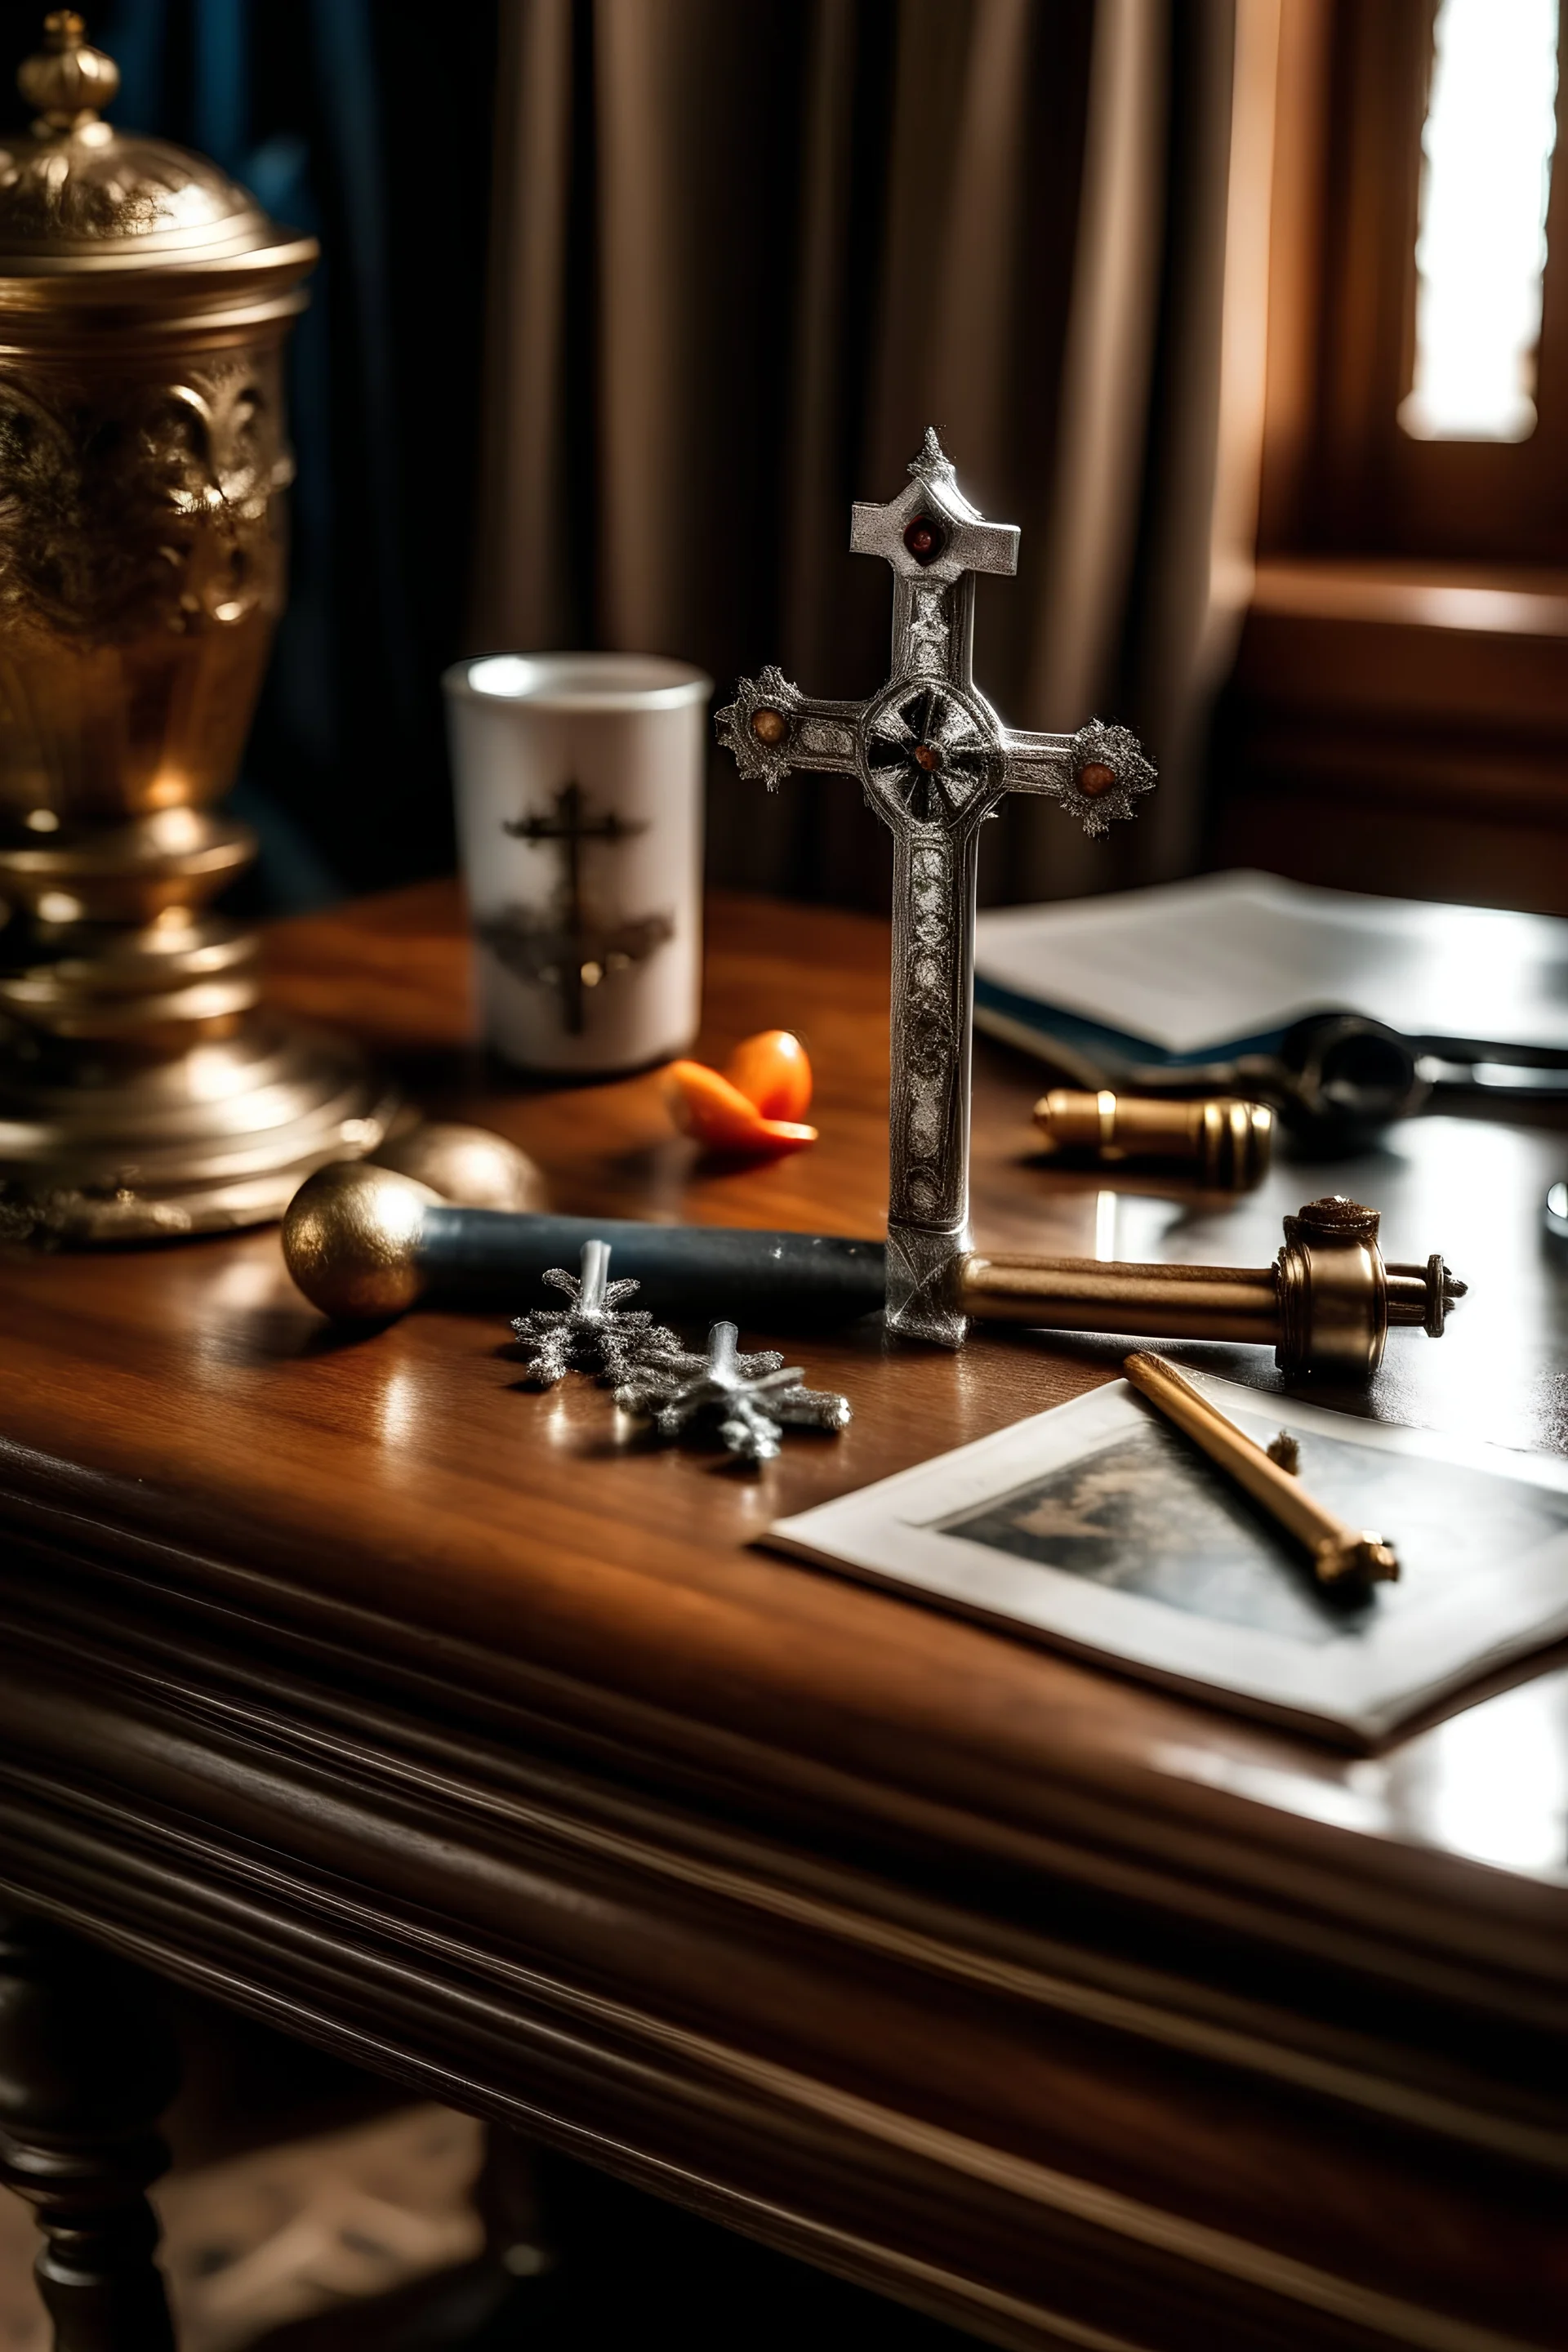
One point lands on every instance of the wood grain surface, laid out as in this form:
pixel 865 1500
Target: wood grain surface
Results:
pixel 460 1727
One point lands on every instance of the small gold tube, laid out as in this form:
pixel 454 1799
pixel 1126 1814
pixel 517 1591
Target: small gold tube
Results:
pixel 1226 1139
pixel 1153 1302
pixel 1337 1550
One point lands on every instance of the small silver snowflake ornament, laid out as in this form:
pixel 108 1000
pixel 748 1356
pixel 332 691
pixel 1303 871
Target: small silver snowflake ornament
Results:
pixel 596 1333
pixel 755 1395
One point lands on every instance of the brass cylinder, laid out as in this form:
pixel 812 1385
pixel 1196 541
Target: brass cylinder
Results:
pixel 1149 1302
pixel 144 300
pixel 1224 1140
pixel 1338 1551
pixel 1324 1305
pixel 1334 1290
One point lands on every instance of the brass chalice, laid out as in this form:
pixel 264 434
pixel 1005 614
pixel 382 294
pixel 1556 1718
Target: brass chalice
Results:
pixel 144 299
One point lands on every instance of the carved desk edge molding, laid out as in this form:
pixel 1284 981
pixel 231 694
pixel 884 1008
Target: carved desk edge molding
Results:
pixel 1414 1919
pixel 783 1811
pixel 886 2192
pixel 412 1895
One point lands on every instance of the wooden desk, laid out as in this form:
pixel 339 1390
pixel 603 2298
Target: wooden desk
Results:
pixel 344 1679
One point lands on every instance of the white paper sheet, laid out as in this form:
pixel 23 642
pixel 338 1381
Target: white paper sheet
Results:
pixel 1191 967
pixel 1483 1536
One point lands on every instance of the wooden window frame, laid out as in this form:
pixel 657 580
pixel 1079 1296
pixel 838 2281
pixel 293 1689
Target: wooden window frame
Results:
pixel 1398 716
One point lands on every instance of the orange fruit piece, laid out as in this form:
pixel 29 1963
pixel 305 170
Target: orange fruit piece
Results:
pixel 724 1119
pixel 772 1070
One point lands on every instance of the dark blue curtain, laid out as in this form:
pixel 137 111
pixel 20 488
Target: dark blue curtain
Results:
pixel 368 123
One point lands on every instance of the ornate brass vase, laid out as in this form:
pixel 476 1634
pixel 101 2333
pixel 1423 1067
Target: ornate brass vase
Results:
pixel 144 299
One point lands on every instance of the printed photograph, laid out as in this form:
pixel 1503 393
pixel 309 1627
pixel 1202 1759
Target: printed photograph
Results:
pixel 1147 1514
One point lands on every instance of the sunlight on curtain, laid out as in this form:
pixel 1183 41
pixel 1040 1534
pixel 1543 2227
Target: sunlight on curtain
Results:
pixel 1491 125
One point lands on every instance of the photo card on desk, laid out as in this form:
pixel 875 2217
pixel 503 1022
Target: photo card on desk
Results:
pixel 1099 1528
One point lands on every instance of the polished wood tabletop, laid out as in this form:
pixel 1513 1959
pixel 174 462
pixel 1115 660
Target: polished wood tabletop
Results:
pixel 1145 2011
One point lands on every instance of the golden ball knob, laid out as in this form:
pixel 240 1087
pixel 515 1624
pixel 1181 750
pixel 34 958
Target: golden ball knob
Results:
pixel 769 726
pixel 351 1240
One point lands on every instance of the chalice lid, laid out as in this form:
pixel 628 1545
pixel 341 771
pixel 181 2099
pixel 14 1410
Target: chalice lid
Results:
pixel 79 197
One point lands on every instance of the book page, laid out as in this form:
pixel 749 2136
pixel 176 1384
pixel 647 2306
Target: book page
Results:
pixel 1202 965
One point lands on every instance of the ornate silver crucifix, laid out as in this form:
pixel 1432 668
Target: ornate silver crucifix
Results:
pixel 933 759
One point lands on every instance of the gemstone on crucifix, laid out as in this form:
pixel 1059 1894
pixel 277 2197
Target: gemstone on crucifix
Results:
pixel 570 946
pixel 933 761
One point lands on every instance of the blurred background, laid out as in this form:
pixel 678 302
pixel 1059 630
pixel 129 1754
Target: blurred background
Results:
pixel 1253 313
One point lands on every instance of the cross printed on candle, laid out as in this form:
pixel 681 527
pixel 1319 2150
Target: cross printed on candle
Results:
pixel 572 947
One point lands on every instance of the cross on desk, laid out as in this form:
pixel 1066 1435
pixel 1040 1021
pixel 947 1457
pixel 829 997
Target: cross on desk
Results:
pixel 933 759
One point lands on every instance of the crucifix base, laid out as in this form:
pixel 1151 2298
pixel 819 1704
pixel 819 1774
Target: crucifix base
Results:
pixel 924 1272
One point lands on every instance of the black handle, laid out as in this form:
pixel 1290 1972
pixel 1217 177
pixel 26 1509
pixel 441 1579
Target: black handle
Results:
pixel 487 1257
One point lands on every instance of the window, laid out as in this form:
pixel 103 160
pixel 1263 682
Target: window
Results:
pixel 1398 717
pixel 1399 367
pixel 1480 249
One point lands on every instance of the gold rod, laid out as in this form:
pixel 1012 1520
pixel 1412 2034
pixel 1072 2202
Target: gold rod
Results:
pixel 1336 1550
pixel 1149 1302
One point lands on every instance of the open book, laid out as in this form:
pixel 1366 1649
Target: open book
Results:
pixel 1202 970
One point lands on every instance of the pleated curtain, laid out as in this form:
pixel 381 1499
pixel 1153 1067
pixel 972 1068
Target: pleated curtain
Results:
pixel 744 251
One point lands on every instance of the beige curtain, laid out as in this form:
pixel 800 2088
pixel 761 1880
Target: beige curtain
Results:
pixel 746 251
